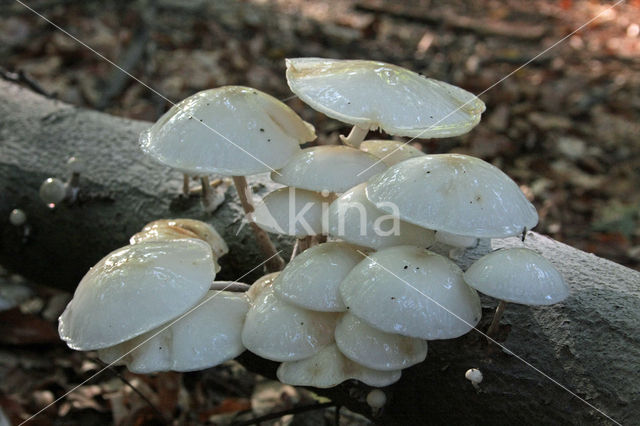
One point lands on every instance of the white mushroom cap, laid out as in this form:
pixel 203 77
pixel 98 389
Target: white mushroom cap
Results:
pixel 204 337
pixel 376 399
pixel 135 289
pixel 312 278
pixel 170 229
pixel 53 191
pixel 292 211
pixel 279 331
pixel 353 218
pixel 377 95
pixel 455 193
pixel 265 281
pixel 76 165
pixel 17 217
pixel 254 133
pixel 455 240
pixel 473 375
pixel 376 349
pixel 329 368
pixel 411 291
pixel 330 168
pixel 517 275
pixel 390 152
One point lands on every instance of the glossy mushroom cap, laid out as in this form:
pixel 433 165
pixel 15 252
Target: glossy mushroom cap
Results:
pixel 517 275
pixel 454 193
pixel 355 219
pixel 17 217
pixel 312 278
pixel 413 292
pixel 390 152
pixel 329 168
pixel 262 283
pixel 280 331
pixel 52 191
pixel 231 130
pixel 329 368
pixel 292 211
pixel 376 95
pixel 170 229
pixel 135 289
pixel 376 349
pixel 204 337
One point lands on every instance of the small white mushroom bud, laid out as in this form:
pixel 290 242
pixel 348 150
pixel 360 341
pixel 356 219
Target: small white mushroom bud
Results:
pixel 52 191
pixel 17 217
pixel 376 399
pixel 75 165
pixel 474 376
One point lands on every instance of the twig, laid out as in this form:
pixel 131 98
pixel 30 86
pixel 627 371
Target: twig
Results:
pixel 279 414
pixel 128 383
pixel 518 30
pixel 118 81
pixel 24 78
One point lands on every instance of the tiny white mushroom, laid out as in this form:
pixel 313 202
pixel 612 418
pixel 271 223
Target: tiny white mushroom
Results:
pixel 53 191
pixel 474 376
pixel 17 217
pixel 75 166
pixel 376 399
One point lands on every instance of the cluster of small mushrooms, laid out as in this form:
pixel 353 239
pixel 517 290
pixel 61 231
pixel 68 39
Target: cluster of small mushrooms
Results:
pixel 361 305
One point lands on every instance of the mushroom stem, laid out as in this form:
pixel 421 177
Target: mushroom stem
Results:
pixel 356 136
pixel 208 199
pixel 304 243
pixel 225 286
pixel 73 187
pixel 294 252
pixel 185 185
pixel 495 323
pixel 275 263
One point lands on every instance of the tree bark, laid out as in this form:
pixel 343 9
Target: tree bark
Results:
pixel 590 343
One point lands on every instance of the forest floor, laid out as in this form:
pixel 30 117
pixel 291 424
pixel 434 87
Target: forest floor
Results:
pixel 566 127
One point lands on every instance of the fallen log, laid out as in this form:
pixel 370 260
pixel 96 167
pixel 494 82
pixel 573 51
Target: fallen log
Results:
pixel 589 344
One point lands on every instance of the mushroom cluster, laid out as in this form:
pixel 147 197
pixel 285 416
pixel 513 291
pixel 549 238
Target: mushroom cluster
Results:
pixel 154 305
pixel 362 305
